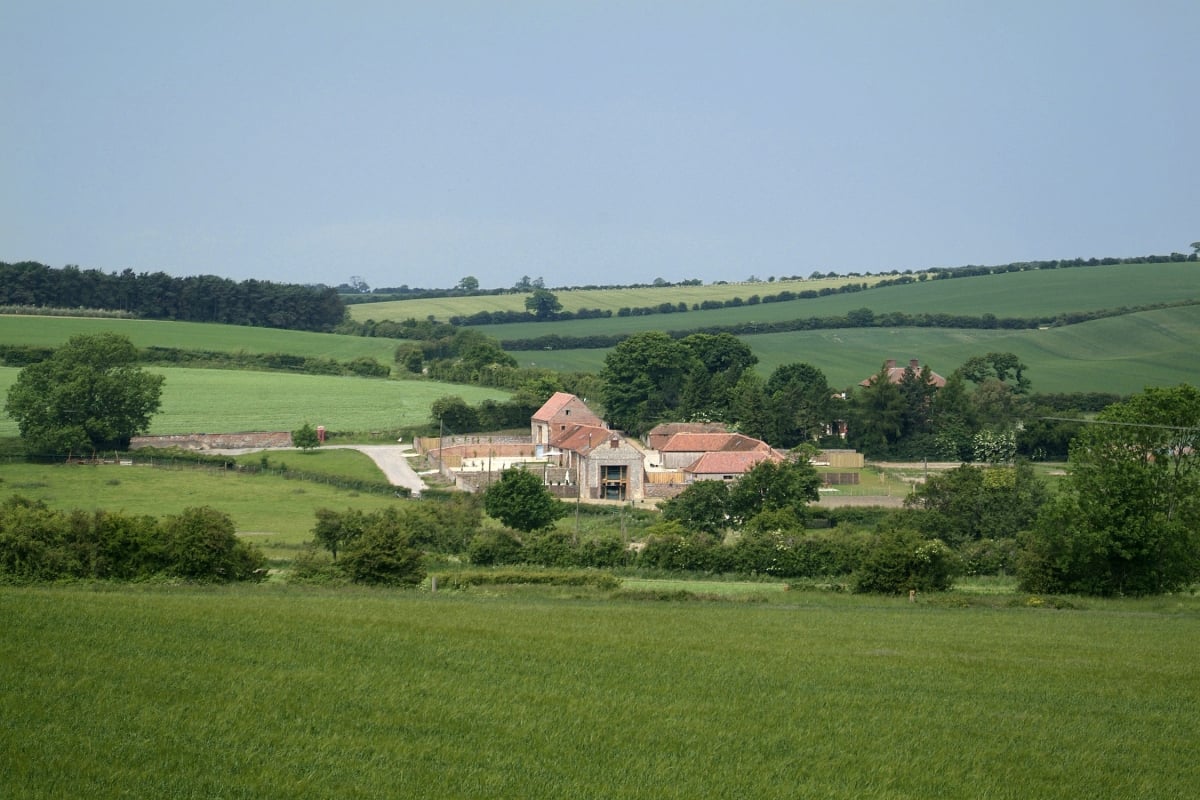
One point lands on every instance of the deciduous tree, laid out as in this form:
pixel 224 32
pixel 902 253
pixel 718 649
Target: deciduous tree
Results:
pixel 88 395
pixel 1127 518
pixel 522 502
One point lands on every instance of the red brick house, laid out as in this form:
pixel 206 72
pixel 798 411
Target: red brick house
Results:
pixel 561 411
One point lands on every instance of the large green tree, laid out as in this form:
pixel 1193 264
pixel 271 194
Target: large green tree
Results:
pixel 521 501
pixel 1127 518
pixel 89 395
pixel 774 486
pixel 644 377
pixel 717 363
pixel 799 402
pixel 543 303
pixel 702 507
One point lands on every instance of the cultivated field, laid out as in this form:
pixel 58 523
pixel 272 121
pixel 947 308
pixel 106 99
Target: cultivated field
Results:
pixel 270 691
pixel 1013 294
pixel 53 331
pixel 1119 354
pixel 572 300
pixel 222 401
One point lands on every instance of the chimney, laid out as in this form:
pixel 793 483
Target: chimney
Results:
pixel 613 442
pixel 891 363
pixel 914 364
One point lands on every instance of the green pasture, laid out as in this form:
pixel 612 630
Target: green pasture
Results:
pixel 1119 354
pixel 225 401
pixel 268 506
pixel 277 691
pixel 53 331
pixel 1015 294
pixel 444 308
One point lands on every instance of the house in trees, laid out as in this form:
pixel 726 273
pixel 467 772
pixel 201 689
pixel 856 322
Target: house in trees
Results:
pixel 895 374
pixel 561 411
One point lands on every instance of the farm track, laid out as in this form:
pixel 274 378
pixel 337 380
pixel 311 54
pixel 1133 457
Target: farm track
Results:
pixel 392 460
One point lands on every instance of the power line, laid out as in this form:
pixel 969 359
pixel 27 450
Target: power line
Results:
pixel 1124 424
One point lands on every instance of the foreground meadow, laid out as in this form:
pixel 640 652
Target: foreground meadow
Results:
pixel 272 691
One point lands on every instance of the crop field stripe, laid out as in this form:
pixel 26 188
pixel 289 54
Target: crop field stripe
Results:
pixel 269 690
pixel 1014 294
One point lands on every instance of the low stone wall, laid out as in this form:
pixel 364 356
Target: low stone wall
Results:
pixel 215 441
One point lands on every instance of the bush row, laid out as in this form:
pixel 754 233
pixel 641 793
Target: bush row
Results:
pixel 41 544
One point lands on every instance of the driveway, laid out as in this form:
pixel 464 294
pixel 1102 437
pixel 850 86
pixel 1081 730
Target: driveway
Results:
pixel 393 460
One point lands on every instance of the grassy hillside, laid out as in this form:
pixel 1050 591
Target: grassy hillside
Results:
pixel 1031 293
pixel 1121 354
pixel 53 331
pixel 572 300
pixel 212 401
pixel 1017 294
pixel 271 691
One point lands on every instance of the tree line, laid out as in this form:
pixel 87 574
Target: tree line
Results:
pixel 156 295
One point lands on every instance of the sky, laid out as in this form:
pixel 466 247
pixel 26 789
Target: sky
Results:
pixel 594 143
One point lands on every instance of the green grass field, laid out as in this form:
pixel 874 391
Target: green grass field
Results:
pixel 273 509
pixel 445 307
pixel 274 691
pixel 1014 294
pixel 1120 354
pixel 222 401
pixel 53 331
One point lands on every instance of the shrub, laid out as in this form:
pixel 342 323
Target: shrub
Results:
pixel 493 547
pixel 901 560
pixel 384 554
pixel 201 545
pixel 315 566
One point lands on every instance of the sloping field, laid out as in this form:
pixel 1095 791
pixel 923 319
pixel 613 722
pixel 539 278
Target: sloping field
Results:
pixel 275 691
pixel 443 308
pixel 1012 294
pixel 1120 354
pixel 214 400
pixel 53 331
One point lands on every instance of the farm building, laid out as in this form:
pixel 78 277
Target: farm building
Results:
pixel 895 374
pixel 557 414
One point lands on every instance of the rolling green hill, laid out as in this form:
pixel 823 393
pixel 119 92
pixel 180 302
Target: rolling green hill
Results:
pixel 443 308
pixel 1120 354
pixel 1017 294
pixel 53 331
pixel 1037 293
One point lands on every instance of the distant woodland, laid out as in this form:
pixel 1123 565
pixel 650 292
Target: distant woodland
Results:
pixel 156 295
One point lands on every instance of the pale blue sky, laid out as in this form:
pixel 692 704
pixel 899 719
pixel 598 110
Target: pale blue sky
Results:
pixel 417 143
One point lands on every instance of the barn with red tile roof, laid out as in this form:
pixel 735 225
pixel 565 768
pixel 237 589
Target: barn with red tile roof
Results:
pixel 558 413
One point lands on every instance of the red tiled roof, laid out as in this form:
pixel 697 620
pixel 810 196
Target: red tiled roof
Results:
pixel 581 438
pixel 711 443
pixel 660 434
pixel 730 463
pixel 557 402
